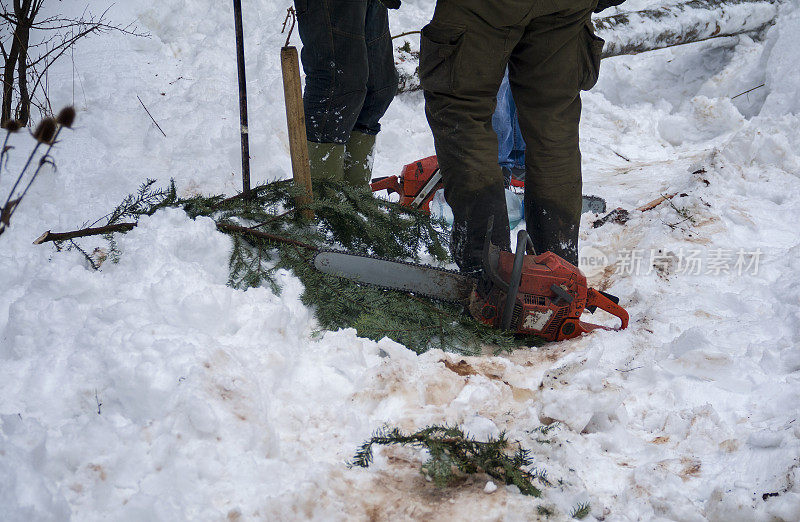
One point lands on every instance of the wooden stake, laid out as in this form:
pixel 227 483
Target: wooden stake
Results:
pixel 237 15
pixel 296 121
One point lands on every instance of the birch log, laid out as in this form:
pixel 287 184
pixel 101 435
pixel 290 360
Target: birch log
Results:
pixel 641 31
pixel 693 21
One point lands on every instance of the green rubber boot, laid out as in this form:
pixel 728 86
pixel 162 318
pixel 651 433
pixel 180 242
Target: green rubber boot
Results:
pixel 326 160
pixel 358 156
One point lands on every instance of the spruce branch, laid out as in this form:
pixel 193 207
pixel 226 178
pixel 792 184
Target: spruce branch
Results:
pixel 451 449
pixel 268 234
pixel 581 510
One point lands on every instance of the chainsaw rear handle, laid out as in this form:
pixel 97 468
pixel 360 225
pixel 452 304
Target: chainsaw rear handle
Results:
pixel 523 243
pixel 597 299
pixel 491 255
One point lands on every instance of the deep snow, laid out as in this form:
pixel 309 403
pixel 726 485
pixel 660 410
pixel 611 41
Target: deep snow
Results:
pixel 152 391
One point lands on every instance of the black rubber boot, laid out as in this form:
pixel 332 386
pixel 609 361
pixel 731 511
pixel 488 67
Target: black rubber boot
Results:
pixel 470 224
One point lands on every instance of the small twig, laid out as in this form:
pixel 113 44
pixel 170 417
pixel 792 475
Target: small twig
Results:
pixel 629 370
pixel 178 79
pixel 83 252
pixel 241 195
pixel 225 227
pixel 405 34
pixel 97 400
pixel 749 90
pixel 151 116
pixel 274 218
pixel 290 13
pixel 620 155
pixel 612 150
pixel 656 202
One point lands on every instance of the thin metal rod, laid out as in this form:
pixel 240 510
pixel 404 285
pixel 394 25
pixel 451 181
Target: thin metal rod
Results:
pixel 151 116
pixel 237 13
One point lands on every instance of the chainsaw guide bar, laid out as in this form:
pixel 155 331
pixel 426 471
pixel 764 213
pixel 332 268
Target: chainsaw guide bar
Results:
pixel 422 280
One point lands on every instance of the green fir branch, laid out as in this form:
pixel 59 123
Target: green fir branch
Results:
pixel 451 449
pixel 346 218
pixel 580 511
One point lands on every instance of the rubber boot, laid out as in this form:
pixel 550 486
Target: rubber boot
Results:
pixel 358 157
pixel 326 160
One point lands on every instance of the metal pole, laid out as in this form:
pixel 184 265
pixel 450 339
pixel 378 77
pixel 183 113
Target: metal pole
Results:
pixel 237 13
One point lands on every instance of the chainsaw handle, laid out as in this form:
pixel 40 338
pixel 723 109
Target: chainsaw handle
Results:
pixel 598 299
pixel 514 281
pixel 388 183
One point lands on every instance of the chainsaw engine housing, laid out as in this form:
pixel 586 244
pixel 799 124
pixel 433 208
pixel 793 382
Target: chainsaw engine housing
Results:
pixel 549 301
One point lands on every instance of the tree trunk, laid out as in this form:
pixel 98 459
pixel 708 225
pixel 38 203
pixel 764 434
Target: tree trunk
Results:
pixel 23 36
pixel 18 59
pixel 8 77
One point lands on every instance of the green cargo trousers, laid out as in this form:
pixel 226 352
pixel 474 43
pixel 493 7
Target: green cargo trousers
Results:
pixel 552 53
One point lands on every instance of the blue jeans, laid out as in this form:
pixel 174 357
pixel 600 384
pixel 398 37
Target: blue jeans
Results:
pixel 511 146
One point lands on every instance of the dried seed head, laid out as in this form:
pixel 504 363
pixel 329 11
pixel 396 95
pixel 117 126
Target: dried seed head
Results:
pixel 12 125
pixel 45 131
pixel 66 117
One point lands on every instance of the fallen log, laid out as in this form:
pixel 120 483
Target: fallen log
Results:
pixel 641 31
pixel 689 22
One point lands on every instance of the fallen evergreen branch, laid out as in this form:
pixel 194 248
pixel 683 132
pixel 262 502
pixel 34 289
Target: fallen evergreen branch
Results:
pixel 452 451
pixel 268 233
pixel 581 511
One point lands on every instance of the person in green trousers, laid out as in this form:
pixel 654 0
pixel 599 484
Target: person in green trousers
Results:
pixel 552 53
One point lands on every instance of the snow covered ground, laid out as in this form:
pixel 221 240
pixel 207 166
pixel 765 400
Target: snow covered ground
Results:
pixel 152 391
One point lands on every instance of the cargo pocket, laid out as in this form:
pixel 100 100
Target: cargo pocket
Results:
pixel 439 45
pixel 591 53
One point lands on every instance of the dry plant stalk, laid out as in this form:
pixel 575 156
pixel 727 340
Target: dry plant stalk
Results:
pixel 46 134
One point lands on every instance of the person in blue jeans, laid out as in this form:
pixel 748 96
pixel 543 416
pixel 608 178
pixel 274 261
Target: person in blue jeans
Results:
pixel 510 145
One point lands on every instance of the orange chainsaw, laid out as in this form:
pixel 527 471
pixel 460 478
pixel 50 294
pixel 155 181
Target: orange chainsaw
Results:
pixel 418 182
pixel 524 293
pixel 416 185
